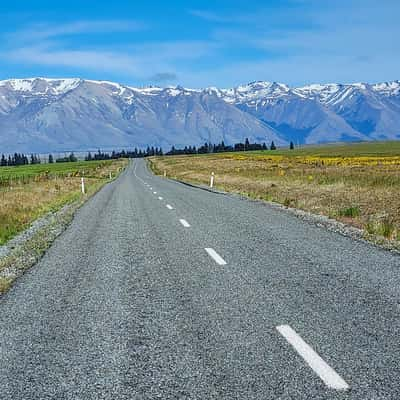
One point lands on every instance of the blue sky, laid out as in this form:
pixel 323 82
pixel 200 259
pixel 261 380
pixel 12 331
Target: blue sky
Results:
pixel 202 43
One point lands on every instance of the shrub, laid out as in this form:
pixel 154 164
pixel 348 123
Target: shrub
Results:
pixel 388 228
pixel 351 212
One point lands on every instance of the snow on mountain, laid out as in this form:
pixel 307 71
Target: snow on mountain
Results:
pixel 40 114
pixel 323 112
pixel 387 88
pixel 41 86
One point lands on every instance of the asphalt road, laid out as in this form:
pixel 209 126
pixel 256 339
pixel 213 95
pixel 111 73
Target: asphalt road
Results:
pixel 129 304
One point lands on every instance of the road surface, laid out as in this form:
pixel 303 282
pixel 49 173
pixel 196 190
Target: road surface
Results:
pixel 159 290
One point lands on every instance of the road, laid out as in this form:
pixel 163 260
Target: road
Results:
pixel 159 290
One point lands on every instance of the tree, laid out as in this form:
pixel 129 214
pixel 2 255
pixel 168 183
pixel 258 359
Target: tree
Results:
pixel 72 158
pixel 3 162
pixel 291 146
pixel 51 159
pixel 273 147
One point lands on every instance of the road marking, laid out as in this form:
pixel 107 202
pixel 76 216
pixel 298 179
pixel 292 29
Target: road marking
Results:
pixel 169 207
pixel 317 364
pixel 160 198
pixel 155 192
pixel 184 223
pixel 213 254
pixel 151 188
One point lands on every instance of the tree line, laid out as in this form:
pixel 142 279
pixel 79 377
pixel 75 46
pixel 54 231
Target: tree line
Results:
pixel 18 159
pixel 204 149
pixel 22 159
pixel 222 147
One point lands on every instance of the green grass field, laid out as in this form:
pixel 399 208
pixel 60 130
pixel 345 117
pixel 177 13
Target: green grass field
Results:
pixel 26 173
pixel 357 149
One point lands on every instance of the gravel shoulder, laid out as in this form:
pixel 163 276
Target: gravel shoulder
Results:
pixel 27 248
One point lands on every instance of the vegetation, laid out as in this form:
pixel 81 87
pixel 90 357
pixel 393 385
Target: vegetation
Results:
pixel 29 191
pixel 358 183
pixel 207 148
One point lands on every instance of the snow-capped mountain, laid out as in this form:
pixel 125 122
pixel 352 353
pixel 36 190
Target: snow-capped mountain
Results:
pixel 39 115
pixel 42 115
pixel 322 113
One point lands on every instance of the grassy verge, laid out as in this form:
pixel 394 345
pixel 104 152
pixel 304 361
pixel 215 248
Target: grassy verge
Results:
pixel 358 184
pixel 28 192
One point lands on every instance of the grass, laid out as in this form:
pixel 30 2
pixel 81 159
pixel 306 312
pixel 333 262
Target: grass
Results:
pixel 357 183
pixel 28 192
pixel 351 212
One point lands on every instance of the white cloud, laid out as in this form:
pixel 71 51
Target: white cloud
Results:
pixel 45 31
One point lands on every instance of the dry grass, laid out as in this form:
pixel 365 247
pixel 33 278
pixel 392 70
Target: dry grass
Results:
pixel 22 201
pixel 363 191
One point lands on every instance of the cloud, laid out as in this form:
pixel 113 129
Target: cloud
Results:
pixel 50 45
pixel 163 77
pixel 209 16
pixel 135 61
pixel 85 59
pixel 45 31
pixel 298 42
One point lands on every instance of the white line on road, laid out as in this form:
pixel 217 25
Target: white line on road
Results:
pixel 155 192
pixel 184 223
pixel 319 366
pixel 169 207
pixel 213 254
pixel 160 198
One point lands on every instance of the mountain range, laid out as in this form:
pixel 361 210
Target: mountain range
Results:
pixel 53 115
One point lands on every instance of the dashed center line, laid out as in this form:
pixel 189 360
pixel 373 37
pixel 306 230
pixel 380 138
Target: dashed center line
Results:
pixel 317 364
pixel 160 198
pixel 184 223
pixel 169 207
pixel 155 192
pixel 215 256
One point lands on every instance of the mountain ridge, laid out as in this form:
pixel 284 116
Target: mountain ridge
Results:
pixel 49 114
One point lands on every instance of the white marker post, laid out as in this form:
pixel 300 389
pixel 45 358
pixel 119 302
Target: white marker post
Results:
pixel 83 185
pixel 165 174
pixel 212 180
pixel 110 176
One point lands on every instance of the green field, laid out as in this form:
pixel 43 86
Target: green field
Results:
pixel 26 173
pixel 357 149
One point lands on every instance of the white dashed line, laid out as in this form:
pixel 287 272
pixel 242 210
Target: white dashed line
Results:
pixel 213 254
pixel 184 223
pixel 169 207
pixel 317 364
pixel 160 198
pixel 155 192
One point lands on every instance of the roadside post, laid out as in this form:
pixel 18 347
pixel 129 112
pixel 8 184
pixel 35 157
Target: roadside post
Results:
pixel 212 180
pixel 83 185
